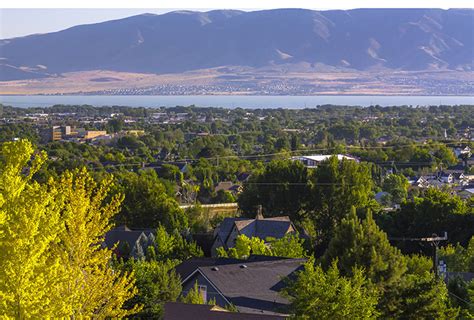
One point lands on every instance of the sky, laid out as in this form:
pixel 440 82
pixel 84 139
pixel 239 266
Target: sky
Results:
pixel 23 17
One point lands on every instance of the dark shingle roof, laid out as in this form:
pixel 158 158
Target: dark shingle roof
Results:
pixel 124 234
pixel 225 227
pixel 254 286
pixel 275 227
pixel 183 311
pixel 186 268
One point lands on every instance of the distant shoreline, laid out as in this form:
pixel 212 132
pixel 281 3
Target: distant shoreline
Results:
pixel 232 101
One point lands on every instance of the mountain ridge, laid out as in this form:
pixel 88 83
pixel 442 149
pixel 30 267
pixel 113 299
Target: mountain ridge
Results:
pixel 182 41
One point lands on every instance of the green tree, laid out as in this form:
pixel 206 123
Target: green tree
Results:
pixel 418 294
pixel 281 189
pixel 94 289
pixel 458 258
pixel 436 212
pixel 337 186
pixel 316 294
pixel 362 243
pixel 147 203
pixel 397 186
pixel 290 246
pixel 157 283
pixel 193 296
pixel 173 246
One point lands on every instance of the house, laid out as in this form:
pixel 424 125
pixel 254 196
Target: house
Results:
pixel 250 286
pixel 225 235
pixel 462 151
pixel 182 311
pixel 243 177
pixel 129 243
pixel 445 177
pixel 228 186
pixel 314 160
pixel 466 193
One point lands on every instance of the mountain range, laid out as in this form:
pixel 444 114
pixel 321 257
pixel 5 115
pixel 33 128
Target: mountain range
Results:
pixel 181 41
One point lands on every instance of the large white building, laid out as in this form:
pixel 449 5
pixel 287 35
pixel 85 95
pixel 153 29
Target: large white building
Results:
pixel 314 160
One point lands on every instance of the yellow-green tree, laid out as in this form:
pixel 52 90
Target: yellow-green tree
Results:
pixel 31 274
pixel 52 263
pixel 93 288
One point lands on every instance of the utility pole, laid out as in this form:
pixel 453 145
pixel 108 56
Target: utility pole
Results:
pixel 434 241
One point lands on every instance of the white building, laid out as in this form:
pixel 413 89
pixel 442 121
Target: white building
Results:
pixel 314 160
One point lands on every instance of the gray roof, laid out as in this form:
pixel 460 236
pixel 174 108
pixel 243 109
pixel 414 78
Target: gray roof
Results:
pixel 254 286
pixel 275 227
pixel 124 234
pixel 225 227
pixel 182 311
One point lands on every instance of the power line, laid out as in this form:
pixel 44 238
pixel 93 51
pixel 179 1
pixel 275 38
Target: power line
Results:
pixel 289 152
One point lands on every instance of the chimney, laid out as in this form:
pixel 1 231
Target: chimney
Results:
pixel 259 215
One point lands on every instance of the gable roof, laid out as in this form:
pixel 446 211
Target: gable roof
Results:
pixel 180 311
pixel 253 286
pixel 225 227
pixel 275 227
pixel 125 235
pixel 187 267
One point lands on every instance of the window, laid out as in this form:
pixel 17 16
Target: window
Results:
pixel 203 292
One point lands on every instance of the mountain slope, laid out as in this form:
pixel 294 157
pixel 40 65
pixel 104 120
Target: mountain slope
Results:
pixel 363 39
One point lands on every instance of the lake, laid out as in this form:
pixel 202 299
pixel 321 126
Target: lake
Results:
pixel 292 102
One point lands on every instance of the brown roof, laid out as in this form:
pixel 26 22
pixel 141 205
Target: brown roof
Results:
pixel 183 311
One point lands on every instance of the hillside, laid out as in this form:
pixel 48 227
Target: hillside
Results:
pixel 402 39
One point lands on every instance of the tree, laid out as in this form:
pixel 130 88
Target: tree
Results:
pixel 397 186
pixel 93 288
pixel 316 294
pixel 168 246
pixel 157 283
pixel 281 189
pixel 361 243
pixel 418 294
pixel 31 271
pixel 458 258
pixel 193 296
pixel 147 203
pixel 408 289
pixel 336 187
pixel 435 212
pixel 52 261
pixel 290 246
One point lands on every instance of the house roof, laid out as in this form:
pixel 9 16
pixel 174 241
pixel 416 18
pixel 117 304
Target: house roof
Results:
pixel 264 228
pixel 253 286
pixel 187 267
pixel 225 227
pixel 124 234
pixel 275 227
pixel 224 185
pixel 180 311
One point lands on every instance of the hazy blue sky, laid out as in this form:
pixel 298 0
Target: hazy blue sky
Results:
pixel 21 22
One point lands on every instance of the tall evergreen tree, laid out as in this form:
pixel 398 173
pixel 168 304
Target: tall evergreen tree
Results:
pixel 361 243
pixel 316 294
